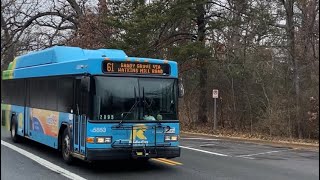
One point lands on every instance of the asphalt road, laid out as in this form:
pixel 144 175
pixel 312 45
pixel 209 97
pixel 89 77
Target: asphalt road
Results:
pixel 201 158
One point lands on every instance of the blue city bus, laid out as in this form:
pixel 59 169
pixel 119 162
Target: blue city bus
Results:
pixel 93 104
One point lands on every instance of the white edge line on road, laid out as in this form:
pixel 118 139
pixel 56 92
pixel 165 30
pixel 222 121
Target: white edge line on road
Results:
pixel 206 139
pixel 246 157
pixel 269 152
pixel 204 151
pixel 43 162
pixel 205 145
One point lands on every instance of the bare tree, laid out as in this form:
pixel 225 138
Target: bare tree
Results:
pixel 28 25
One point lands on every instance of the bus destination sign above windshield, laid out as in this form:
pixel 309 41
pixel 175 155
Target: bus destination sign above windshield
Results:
pixel 136 68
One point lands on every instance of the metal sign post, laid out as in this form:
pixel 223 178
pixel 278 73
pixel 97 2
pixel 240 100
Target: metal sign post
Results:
pixel 215 95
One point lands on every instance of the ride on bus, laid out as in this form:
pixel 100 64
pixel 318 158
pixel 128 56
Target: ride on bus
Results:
pixel 93 104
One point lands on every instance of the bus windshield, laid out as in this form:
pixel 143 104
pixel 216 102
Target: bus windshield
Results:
pixel 133 98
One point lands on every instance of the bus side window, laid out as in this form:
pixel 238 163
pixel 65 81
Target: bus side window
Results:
pixel 37 94
pixel 65 94
pixel 51 100
pixel 14 92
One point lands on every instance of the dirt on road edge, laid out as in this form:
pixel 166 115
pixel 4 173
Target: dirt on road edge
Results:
pixel 295 145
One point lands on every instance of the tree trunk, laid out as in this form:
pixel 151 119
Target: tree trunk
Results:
pixel 291 48
pixel 202 113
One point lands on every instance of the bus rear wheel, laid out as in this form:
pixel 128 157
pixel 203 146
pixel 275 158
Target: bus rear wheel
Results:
pixel 66 151
pixel 14 136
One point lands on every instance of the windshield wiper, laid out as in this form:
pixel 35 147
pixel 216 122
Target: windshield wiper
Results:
pixel 131 109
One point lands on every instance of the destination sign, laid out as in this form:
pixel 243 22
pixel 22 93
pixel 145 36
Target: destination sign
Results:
pixel 135 68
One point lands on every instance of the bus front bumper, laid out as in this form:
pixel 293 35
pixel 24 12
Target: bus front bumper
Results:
pixel 125 153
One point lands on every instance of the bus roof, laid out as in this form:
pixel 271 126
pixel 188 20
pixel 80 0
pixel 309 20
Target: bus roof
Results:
pixel 60 54
pixel 62 60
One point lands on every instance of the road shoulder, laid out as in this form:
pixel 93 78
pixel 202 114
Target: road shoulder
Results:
pixel 294 145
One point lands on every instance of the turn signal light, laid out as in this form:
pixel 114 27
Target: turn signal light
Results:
pixel 90 140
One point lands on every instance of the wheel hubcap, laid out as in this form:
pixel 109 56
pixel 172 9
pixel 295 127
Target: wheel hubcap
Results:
pixel 13 131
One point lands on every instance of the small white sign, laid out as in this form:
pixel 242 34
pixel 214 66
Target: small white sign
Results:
pixel 215 93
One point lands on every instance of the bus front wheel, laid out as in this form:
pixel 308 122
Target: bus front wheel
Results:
pixel 66 151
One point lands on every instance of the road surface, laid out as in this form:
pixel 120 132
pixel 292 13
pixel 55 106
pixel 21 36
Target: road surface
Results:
pixel 201 158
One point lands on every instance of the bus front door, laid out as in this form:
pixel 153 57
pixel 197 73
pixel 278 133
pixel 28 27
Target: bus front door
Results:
pixel 79 134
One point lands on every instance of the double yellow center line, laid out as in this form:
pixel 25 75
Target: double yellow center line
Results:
pixel 166 161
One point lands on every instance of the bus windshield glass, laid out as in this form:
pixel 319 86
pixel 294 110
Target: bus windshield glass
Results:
pixel 132 98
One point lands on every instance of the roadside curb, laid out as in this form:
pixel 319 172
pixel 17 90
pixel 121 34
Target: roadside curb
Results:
pixel 294 145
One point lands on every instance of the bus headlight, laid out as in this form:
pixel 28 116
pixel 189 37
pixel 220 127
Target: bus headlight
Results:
pixel 107 139
pixel 101 140
pixel 174 138
pixel 171 138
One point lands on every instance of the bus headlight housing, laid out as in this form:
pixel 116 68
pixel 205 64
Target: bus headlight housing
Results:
pixel 171 138
pixel 103 140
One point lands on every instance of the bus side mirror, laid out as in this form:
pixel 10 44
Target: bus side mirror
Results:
pixel 181 88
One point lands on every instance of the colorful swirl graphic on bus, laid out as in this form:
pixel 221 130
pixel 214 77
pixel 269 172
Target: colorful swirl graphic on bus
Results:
pixel 36 125
pixel 44 121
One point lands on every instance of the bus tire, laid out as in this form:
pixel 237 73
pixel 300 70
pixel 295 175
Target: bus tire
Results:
pixel 13 130
pixel 65 148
